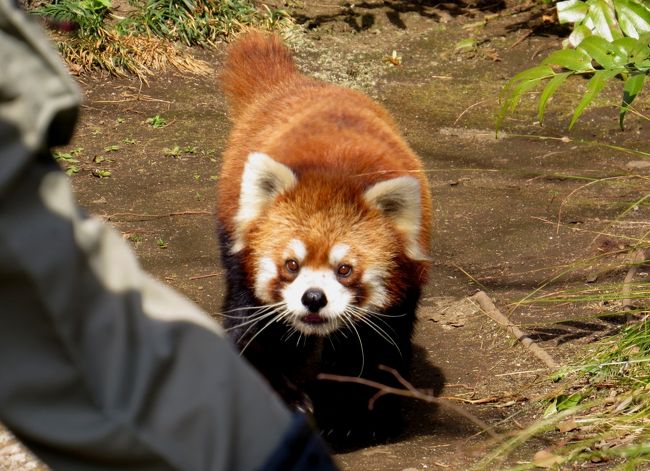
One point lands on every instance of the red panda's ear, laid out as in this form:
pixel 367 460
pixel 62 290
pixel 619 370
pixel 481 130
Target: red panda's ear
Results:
pixel 263 179
pixel 399 200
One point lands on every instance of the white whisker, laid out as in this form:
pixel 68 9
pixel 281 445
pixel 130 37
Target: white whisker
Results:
pixel 273 319
pixel 373 315
pixel 263 313
pixel 349 321
pixel 379 314
pixel 247 308
pixel 289 334
pixel 381 332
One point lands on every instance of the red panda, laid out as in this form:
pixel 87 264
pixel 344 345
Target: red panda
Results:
pixel 324 218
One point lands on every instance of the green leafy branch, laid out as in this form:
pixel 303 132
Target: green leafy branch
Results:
pixel 611 39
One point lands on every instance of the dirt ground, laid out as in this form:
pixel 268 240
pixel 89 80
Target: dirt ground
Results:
pixel 512 213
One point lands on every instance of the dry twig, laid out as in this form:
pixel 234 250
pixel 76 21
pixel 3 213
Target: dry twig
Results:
pixel 488 307
pixel 522 39
pixel 637 259
pixel 150 217
pixel 467 109
pixel 409 391
pixel 201 277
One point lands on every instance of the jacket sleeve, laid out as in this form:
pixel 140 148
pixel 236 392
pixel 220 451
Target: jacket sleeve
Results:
pixel 101 366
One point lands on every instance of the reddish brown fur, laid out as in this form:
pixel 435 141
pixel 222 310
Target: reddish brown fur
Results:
pixel 299 214
pixel 312 127
pixel 337 145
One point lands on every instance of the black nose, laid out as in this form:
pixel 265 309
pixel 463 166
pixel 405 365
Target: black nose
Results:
pixel 314 299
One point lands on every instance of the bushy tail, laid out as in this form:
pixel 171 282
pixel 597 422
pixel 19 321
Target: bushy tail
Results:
pixel 256 63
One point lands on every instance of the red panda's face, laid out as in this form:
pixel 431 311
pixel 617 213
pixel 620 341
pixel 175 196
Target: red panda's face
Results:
pixel 322 276
pixel 319 251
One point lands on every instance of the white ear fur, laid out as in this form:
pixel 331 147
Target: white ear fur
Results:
pixel 400 201
pixel 263 179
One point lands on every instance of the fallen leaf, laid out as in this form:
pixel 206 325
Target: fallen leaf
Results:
pixel 567 425
pixel 466 44
pixel 546 459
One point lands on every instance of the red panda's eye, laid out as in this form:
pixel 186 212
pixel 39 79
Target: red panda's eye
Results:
pixel 292 265
pixel 344 271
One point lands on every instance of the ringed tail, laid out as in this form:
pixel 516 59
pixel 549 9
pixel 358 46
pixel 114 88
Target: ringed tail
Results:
pixel 255 64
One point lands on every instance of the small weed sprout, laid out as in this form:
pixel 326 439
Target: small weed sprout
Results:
pixel 174 152
pixel 101 173
pixel 72 169
pixel 70 156
pixel 156 121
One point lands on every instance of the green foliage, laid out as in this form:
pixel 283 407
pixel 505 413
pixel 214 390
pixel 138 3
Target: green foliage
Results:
pixel 611 39
pixel 89 15
pixel 562 402
pixel 601 415
pixel 189 21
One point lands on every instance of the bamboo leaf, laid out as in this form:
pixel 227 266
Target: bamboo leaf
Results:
pixel 532 75
pixel 631 89
pixel 634 18
pixel 602 15
pixel 601 51
pixel 594 87
pixel 622 47
pixel 572 59
pixel 517 86
pixel 639 58
pixel 579 33
pixel 571 11
pixel 549 90
pixel 568 402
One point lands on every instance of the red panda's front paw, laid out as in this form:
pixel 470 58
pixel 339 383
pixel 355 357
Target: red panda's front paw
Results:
pixel 302 404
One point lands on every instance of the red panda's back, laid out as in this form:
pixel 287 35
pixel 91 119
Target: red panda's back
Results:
pixel 305 123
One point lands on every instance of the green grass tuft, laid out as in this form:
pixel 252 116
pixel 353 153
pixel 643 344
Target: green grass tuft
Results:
pixel 148 39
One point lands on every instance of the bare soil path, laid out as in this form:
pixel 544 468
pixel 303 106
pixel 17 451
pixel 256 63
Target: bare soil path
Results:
pixel 511 213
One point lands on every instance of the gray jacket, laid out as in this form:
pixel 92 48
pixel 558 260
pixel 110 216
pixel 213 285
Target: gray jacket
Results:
pixel 101 366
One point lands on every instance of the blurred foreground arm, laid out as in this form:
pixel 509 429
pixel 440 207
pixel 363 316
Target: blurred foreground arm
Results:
pixel 102 367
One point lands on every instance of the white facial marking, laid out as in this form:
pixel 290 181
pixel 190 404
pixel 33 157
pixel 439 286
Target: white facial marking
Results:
pixel 266 272
pixel 374 280
pixel 296 250
pixel 338 252
pixel 338 299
